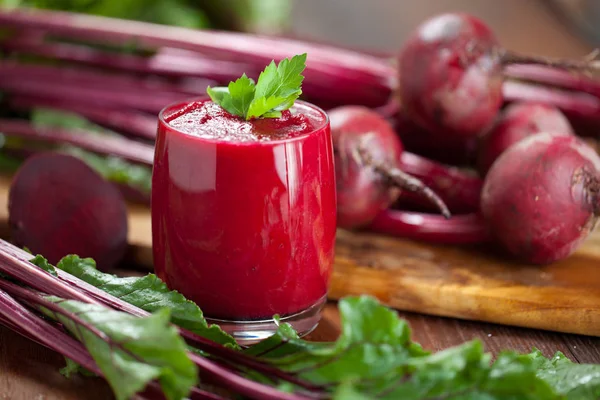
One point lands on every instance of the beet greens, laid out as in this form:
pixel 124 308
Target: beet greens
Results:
pixel 373 357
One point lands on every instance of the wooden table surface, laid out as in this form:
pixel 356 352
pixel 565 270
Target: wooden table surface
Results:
pixel 30 372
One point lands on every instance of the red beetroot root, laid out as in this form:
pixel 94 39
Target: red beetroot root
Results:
pixel 451 74
pixel 518 121
pixel 540 198
pixel 59 206
pixel 367 152
pixel 438 146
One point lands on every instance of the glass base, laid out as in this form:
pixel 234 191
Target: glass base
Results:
pixel 250 332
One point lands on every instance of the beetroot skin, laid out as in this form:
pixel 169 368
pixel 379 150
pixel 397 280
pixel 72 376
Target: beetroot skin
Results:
pixel 361 191
pixel 518 121
pixel 367 152
pixel 59 206
pixel 540 198
pixel 450 75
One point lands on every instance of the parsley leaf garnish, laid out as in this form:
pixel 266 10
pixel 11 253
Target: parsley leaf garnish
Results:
pixel 276 90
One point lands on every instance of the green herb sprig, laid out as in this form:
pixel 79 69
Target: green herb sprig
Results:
pixel 276 90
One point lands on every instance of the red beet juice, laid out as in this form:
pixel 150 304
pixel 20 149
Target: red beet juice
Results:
pixel 244 212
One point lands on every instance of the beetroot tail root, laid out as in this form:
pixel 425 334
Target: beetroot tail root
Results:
pixel 366 152
pixel 400 179
pixel 459 189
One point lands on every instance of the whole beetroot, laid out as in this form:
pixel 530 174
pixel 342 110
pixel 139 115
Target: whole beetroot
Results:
pixel 540 198
pixel 518 121
pixel 60 206
pixel 367 151
pixel 450 75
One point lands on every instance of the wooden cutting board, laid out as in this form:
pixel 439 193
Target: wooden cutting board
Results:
pixel 464 282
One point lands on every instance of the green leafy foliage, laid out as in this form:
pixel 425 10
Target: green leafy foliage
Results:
pixel 575 381
pixel 148 293
pixel 132 351
pixel 71 368
pixel 9 164
pixel 374 356
pixel 169 12
pixel 264 16
pixel 276 90
pixel 44 264
pixel 238 96
pixel 62 119
pixel 112 168
pixel 115 169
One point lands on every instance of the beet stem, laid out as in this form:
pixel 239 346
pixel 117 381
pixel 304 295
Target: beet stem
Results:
pixel 570 102
pixel 35 328
pixel 127 122
pixel 182 63
pixel 458 189
pixel 360 68
pixel 405 181
pixel 15 262
pixel 103 144
pixel 396 177
pixel 461 229
pixel 58 86
pixel 23 321
pixel 553 76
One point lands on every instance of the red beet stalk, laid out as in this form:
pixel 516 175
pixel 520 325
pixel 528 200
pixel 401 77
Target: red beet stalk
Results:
pixel 576 104
pixel 165 62
pixel 346 70
pixel 127 122
pixel 460 190
pixel 35 328
pixel 41 331
pixel 92 141
pixel 15 263
pixel 185 64
pixel 56 86
pixel 571 80
pixel 93 78
pixel 460 229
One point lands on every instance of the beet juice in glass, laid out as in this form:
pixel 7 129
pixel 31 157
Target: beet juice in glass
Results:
pixel 244 214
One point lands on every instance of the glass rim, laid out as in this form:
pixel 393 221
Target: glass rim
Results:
pixel 303 136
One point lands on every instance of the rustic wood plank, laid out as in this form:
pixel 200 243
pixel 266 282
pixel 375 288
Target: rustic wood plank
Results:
pixel 474 283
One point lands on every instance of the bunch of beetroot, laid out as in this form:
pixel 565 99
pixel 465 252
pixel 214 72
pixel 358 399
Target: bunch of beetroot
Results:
pixel 457 141
pixel 501 129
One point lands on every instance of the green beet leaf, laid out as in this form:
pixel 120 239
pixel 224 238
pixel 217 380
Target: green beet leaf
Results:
pixel 375 358
pixel 574 381
pixel 45 117
pixel 72 368
pixel 276 90
pixel 112 168
pixel 133 351
pixel 115 169
pixel 43 264
pixel 148 293
pixel 236 98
